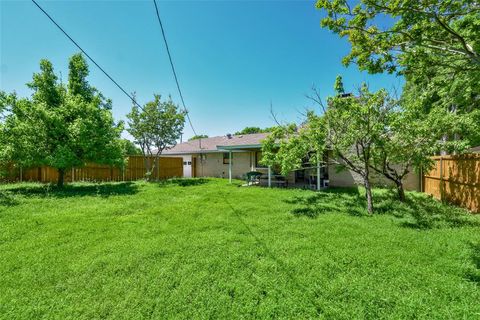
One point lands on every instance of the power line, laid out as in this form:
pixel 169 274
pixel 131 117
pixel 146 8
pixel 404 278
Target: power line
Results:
pixel 86 54
pixel 110 77
pixel 173 67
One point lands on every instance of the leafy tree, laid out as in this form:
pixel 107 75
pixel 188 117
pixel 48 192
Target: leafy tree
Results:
pixel 155 127
pixel 61 126
pixel 21 134
pixel 251 130
pixel 458 93
pixel 77 78
pixel 434 44
pixel 279 149
pixel 199 136
pixel 410 137
pixel 353 128
pixel 371 133
pixel 389 35
pixel 289 145
pixel 129 148
pixel 350 127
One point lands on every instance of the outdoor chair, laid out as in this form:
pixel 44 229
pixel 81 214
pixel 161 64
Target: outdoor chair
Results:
pixel 252 177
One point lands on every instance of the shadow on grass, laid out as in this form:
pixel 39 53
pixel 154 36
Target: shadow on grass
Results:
pixel 8 197
pixel 419 211
pixel 473 274
pixel 306 211
pixel 185 182
pixel 329 201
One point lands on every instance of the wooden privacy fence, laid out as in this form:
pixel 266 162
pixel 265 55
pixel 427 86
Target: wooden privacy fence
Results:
pixel 455 179
pixel 134 170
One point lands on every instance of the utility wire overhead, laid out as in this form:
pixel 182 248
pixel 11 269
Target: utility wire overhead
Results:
pixel 110 77
pixel 173 67
pixel 88 56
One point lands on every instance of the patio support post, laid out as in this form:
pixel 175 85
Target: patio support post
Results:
pixel 230 166
pixel 269 176
pixel 318 172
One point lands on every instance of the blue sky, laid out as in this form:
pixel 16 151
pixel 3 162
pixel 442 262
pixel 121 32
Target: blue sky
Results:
pixel 232 57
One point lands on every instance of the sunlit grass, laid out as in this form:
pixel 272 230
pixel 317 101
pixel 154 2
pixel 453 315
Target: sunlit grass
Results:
pixel 207 249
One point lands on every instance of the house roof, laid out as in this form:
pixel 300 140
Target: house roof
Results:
pixel 475 149
pixel 206 145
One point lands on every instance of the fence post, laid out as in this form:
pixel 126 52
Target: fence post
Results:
pixel 73 174
pixel 421 180
pixel 441 179
pixel 21 174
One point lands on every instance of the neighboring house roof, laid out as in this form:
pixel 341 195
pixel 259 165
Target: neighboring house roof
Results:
pixel 475 149
pixel 206 145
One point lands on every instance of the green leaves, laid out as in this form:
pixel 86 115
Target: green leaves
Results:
pixel 157 126
pixel 250 130
pixel 129 148
pixel 45 86
pixel 61 126
pixel 77 78
pixel 385 34
pixel 435 45
pixel 288 146
pixel 199 136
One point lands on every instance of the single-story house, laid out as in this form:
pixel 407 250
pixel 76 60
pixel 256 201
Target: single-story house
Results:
pixel 229 156
pixel 232 156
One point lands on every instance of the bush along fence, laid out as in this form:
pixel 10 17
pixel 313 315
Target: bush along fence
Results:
pixel 134 170
pixel 455 179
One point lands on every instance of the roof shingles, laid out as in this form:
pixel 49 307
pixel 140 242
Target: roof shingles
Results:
pixel 210 144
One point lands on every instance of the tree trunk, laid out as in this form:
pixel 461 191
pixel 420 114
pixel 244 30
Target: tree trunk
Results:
pixel 368 195
pixel 400 190
pixel 147 168
pixel 152 168
pixel 368 187
pixel 61 178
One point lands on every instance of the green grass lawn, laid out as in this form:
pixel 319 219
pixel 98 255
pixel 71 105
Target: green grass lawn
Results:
pixel 206 249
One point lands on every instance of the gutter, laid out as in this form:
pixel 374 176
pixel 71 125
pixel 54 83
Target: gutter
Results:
pixel 240 147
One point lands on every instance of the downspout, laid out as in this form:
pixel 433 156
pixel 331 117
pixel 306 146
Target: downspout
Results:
pixel 230 166
pixel 269 176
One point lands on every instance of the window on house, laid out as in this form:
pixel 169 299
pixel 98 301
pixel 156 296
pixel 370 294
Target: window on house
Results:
pixel 226 158
pixel 258 158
